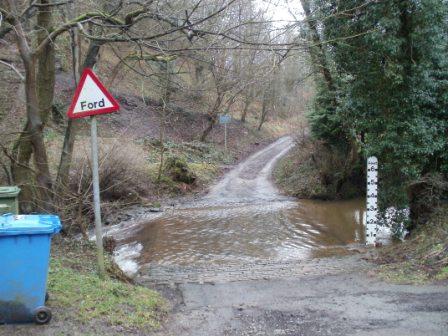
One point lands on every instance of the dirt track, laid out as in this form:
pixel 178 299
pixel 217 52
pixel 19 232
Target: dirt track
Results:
pixel 250 181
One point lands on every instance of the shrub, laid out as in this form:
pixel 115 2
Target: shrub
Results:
pixel 122 170
pixel 425 196
pixel 177 168
pixel 314 170
pixel 123 178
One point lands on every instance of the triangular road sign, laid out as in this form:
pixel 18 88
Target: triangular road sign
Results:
pixel 91 97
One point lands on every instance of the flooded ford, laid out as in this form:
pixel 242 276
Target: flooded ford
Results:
pixel 244 218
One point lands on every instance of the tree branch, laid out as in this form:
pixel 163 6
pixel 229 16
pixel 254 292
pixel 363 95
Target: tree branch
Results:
pixel 73 23
pixel 13 68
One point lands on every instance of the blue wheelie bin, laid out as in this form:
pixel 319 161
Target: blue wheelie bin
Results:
pixel 24 257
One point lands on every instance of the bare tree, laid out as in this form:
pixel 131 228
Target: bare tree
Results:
pixel 118 23
pixel 230 42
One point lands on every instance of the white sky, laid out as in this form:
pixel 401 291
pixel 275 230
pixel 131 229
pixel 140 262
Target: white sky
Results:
pixel 279 10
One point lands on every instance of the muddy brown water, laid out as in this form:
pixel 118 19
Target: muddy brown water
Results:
pixel 244 218
pixel 276 230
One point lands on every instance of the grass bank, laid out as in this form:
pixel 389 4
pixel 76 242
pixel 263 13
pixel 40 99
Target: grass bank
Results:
pixel 420 259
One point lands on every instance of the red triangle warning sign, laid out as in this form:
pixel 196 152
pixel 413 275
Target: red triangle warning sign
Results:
pixel 91 97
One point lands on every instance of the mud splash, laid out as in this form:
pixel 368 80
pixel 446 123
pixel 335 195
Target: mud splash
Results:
pixel 244 219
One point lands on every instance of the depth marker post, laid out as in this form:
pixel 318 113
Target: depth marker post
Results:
pixel 372 201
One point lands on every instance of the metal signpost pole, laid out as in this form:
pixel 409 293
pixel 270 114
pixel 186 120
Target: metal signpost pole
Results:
pixel 225 136
pixel 96 198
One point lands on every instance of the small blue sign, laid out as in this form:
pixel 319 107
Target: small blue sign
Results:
pixel 224 119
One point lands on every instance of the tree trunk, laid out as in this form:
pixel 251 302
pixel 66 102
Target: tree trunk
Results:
pixel 317 51
pixel 212 118
pixel 247 101
pixel 21 172
pixel 165 98
pixel 34 134
pixel 45 64
pixel 264 109
pixel 350 162
pixel 39 99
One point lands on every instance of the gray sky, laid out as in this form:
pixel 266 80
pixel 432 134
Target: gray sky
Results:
pixel 280 9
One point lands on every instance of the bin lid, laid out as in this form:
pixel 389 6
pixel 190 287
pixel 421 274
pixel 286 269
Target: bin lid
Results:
pixel 12 225
pixel 7 192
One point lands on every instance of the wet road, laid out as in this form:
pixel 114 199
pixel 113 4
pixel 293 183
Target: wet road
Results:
pixel 244 218
pixel 320 297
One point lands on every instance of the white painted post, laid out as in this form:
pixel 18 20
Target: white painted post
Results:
pixel 96 198
pixel 372 201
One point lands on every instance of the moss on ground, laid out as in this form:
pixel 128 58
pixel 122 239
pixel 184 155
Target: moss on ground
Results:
pixel 422 258
pixel 80 296
pixel 205 172
pixel 403 273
